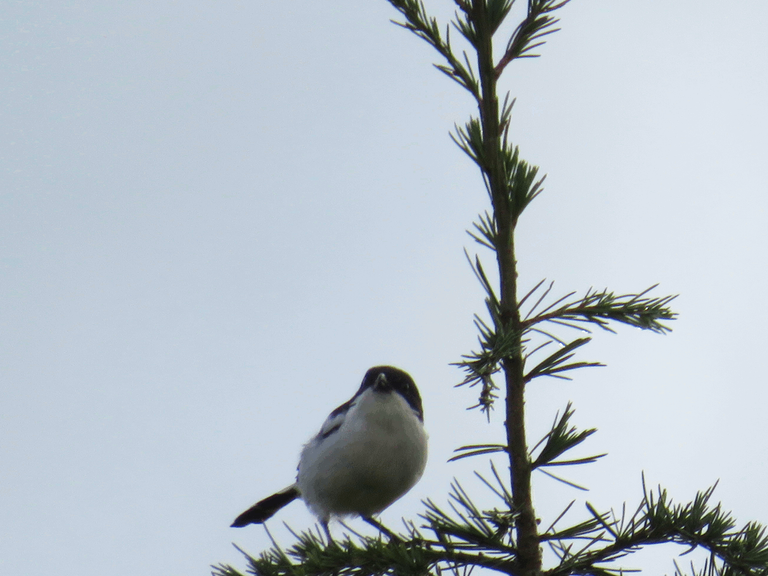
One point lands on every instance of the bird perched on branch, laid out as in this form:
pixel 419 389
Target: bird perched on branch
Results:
pixel 369 452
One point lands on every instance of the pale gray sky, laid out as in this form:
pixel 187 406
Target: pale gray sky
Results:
pixel 215 216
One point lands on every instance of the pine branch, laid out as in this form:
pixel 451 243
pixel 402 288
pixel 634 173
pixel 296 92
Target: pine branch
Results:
pixel 476 450
pixel 497 343
pixel 500 166
pixel 486 231
pixel 561 438
pixel 464 537
pixel 425 27
pixel 697 524
pixel 559 361
pixel 602 307
pixel 530 32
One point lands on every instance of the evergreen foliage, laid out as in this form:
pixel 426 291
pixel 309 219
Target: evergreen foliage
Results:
pixel 522 339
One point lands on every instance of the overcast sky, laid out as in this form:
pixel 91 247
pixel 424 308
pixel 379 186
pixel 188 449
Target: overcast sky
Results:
pixel 215 216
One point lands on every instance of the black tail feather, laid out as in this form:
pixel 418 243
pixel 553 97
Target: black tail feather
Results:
pixel 266 508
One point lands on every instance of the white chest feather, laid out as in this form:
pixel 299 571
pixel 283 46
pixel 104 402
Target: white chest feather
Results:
pixel 377 454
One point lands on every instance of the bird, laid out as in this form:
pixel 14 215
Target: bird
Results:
pixel 369 452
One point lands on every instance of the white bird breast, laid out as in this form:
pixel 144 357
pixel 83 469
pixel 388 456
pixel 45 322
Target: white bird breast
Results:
pixel 374 458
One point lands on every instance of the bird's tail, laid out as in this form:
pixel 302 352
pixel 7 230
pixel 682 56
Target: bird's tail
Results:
pixel 266 508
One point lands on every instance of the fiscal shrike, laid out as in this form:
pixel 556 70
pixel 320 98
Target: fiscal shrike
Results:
pixel 369 452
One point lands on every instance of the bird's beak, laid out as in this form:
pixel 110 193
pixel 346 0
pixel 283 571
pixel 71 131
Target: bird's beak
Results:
pixel 381 382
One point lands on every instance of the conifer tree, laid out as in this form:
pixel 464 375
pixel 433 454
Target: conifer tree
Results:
pixel 522 337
